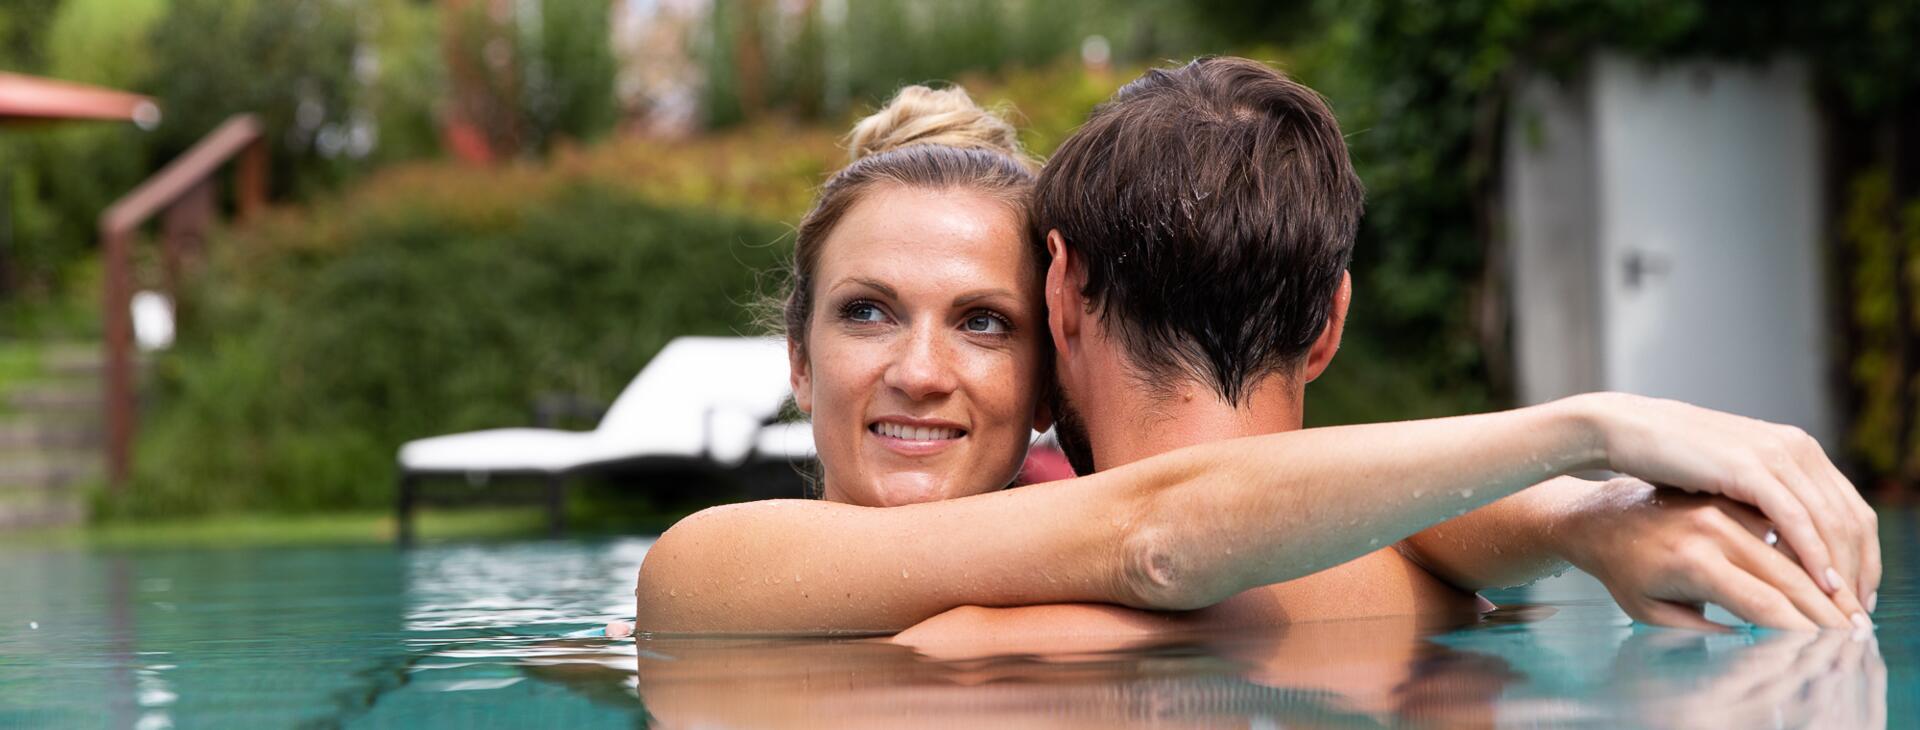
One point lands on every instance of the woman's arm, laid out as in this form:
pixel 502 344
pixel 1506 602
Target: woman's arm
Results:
pixel 1181 530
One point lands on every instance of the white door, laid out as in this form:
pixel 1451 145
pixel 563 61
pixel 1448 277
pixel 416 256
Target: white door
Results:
pixel 1709 233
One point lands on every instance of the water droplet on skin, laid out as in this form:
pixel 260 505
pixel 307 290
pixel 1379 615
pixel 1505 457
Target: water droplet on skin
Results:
pixel 903 572
pixel 673 593
pixel 796 577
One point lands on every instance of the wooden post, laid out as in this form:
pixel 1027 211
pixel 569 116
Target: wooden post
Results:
pixel 183 235
pixel 250 184
pixel 117 330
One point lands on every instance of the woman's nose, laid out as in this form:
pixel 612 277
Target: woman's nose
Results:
pixel 922 368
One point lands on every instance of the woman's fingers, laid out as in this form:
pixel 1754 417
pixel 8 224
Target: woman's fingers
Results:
pixel 1750 598
pixel 1848 523
pixel 1674 615
pixel 1791 519
pixel 1839 533
pixel 1830 520
pixel 1868 523
pixel 1761 560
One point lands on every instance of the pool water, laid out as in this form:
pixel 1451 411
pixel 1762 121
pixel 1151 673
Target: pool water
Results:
pixel 478 636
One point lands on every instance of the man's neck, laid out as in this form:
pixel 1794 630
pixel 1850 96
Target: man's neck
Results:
pixel 1132 425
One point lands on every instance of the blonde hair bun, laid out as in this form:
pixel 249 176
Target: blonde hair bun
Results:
pixel 922 115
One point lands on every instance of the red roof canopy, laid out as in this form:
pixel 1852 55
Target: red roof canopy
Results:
pixel 34 98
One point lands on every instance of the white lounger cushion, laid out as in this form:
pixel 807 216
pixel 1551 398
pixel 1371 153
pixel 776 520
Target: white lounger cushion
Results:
pixel 700 396
pixel 786 441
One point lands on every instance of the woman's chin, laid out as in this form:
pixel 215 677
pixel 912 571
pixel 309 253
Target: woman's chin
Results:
pixel 904 489
pixel 902 497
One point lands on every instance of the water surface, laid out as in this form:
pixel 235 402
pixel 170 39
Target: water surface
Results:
pixel 476 636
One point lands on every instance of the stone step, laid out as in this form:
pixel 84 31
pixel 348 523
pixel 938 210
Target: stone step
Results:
pixel 73 362
pixel 24 514
pixel 60 399
pixel 50 473
pixel 40 434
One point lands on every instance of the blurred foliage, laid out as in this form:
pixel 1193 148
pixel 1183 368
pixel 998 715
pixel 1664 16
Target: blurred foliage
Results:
pixel 342 85
pixel 427 302
pixel 1877 250
pixel 542 73
pixel 760 56
pixel 291 62
pixel 1882 236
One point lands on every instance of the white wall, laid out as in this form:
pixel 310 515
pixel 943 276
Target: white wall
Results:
pixel 1699 247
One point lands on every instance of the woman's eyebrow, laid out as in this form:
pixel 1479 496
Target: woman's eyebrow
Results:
pixel 874 284
pixel 977 295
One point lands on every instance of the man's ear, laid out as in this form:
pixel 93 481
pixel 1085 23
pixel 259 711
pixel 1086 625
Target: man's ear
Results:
pixel 1066 278
pixel 799 377
pixel 1321 354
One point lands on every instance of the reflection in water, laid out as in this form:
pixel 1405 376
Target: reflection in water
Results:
pixel 1683 680
pixel 1392 672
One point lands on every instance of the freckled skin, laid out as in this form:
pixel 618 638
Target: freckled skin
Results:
pixel 926 306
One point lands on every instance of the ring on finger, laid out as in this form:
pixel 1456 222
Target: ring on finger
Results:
pixel 1772 538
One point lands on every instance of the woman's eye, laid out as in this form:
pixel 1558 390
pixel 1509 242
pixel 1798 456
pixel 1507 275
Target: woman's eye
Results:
pixel 987 324
pixel 863 312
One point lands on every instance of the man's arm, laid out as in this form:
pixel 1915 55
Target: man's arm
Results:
pixel 1661 554
pixel 1508 543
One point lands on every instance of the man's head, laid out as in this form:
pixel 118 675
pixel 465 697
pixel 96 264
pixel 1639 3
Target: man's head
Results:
pixel 1206 214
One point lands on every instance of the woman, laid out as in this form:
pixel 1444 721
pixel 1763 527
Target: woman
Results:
pixel 915 328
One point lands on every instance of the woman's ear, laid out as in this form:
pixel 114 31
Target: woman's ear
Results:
pixel 1043 412
pixel 799 377
pixel 1321 354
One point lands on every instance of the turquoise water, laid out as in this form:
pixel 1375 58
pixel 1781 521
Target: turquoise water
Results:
pixel 476 636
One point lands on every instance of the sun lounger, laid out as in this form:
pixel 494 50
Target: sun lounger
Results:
pixel 705 403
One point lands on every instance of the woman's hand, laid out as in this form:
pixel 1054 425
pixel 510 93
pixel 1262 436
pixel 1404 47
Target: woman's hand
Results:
pixel 1663 554
pixel 1779 469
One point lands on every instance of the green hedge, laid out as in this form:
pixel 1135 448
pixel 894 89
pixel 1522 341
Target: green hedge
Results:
pixel 304 365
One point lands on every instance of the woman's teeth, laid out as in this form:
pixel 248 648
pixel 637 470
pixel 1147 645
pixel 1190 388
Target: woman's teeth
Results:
pixel 912 433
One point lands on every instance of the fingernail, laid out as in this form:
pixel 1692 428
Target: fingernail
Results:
pixel 1832 580
pixel 1873 601
pixel 1860 622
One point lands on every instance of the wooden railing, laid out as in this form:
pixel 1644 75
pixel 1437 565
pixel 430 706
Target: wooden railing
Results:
pixel 184 193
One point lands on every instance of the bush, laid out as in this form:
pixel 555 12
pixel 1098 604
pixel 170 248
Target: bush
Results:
pixel 302 370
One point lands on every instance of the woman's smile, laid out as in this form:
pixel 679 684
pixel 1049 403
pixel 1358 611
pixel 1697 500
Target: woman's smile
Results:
pixel 915 436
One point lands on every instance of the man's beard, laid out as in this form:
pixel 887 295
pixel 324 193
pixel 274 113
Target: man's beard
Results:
pixel 1071 432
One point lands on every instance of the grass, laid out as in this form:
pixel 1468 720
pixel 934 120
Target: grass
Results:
pixel 20 362
pixel 241 530
pixel 594 509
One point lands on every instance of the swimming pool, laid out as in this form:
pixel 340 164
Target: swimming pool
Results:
pixel 476 636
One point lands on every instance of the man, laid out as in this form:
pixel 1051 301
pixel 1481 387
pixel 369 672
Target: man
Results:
pixel 1199 227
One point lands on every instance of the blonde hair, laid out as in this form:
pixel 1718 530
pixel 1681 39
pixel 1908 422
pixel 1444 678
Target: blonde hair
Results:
pixel 924 138
pixel 947 117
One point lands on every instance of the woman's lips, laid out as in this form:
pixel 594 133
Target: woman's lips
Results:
pixel 914 440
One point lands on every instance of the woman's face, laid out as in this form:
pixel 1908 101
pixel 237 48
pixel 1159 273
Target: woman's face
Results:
pixel 923 360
